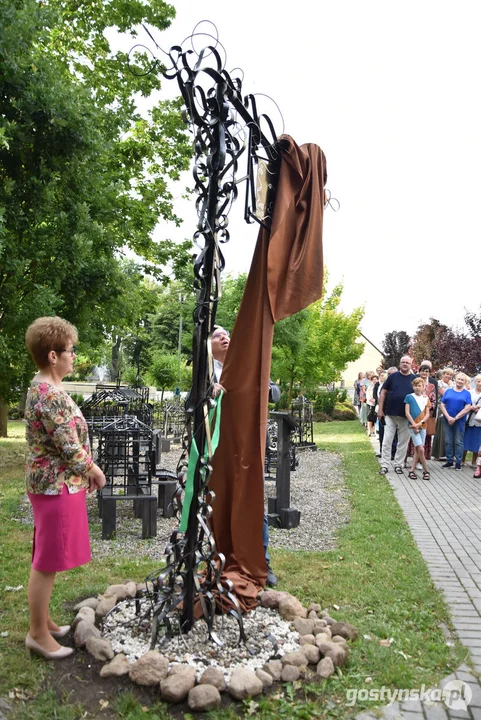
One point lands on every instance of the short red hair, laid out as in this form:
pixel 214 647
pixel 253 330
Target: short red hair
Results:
pixel 46 334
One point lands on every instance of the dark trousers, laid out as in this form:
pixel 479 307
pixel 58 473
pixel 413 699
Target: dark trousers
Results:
pixel 381 438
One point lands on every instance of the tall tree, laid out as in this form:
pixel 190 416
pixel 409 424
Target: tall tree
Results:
pixel 473 322
pixel 395 344
pixel 313 347
pixel 459 348
pixel 82 174
pixel 425 340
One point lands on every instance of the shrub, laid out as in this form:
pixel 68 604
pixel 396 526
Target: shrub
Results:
pixel 342 412
pixel 325 401
pixel 321 417
pixel 78 398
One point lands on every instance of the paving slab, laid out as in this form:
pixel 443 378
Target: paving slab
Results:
pixel 444 515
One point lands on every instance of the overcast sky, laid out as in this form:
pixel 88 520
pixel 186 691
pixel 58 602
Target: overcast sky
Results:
pixel 390 91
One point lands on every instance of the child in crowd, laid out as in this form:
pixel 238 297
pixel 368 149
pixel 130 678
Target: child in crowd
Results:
pixel 417 406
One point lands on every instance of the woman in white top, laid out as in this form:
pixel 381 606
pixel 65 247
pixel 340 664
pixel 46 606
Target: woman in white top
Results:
pixel 472 434
pixel 371 406
pixel 438 450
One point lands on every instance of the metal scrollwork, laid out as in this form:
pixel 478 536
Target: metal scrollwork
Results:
pixel 229 133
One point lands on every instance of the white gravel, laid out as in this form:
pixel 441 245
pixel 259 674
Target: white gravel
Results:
pixel 267 636
pixel 317 490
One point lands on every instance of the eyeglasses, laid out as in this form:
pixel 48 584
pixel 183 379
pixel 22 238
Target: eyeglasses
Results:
pixel 424 369
pixel 220 334
pixel 72 350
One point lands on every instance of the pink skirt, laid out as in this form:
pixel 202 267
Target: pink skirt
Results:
pixel 61 531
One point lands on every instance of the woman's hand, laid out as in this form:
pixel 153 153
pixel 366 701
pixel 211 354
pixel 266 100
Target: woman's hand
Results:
pixel 96 478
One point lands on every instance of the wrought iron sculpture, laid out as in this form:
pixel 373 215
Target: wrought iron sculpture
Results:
pixel 111 401
pixel 301 411
pixel 169 417
pixel 125 455
pixel 229 130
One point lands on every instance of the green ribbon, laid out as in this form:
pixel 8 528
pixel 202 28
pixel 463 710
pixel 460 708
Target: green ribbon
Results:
pixel 193 459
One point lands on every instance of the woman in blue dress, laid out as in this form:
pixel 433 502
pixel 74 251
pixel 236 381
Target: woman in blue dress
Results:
pixel 472 434
pixel 455 405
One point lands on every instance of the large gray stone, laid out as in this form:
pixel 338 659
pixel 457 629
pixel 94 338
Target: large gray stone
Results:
pixel 244 683
pixel 265 678
pixel 203 698
pixel 117 667
pixel 304 626
pixel 176 687
pixel 336 651
pixel 271 598
pixel 312 654
pixel 307 640
pixel 290 673
pixel 89 602
pixel 150 669
pixel 274 668
pixel 320 626
pixel 105 605
pixel 100 648
pixel 325 668
pixel 322 638
pixel 131 588
pixel 213 676
pixel 297 658
pixel 144 587
pixel 86 613
pixel 119 592
pixel 345 630
pixel 83 631
pixel 290 608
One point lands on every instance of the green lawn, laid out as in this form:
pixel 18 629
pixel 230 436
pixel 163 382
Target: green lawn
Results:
pixel 376 578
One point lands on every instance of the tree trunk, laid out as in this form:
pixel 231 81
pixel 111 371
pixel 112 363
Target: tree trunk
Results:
pixel 3 417
pixel 291 389
pixel 22 402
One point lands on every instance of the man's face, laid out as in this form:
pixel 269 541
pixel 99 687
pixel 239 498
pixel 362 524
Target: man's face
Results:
pixel 405 364
pixel 220 343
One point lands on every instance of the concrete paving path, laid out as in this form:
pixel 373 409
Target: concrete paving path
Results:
pixel 444 515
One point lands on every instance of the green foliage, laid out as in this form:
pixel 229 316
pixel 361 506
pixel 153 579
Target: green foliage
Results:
pixel 332 405
pixel 325 401
pixel 343 411
pixel 395 344
pixel 174 302
pixel 166 372
pixel 82 174
pixel 77 397
pixel 229 304
pixel 313 347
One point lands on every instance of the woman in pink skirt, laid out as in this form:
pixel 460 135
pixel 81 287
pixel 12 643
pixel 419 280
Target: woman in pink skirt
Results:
pixel 58 474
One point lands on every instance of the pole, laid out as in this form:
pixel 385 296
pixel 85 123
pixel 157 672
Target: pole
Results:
pixel 181 300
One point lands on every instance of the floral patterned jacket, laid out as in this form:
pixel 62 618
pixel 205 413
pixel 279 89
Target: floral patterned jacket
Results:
pixel 57 436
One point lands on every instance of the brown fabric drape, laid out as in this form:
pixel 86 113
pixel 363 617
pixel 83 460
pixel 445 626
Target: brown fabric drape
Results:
pixel 285 276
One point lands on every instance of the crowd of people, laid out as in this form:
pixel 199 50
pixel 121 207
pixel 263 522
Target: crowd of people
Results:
pixel 421 416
